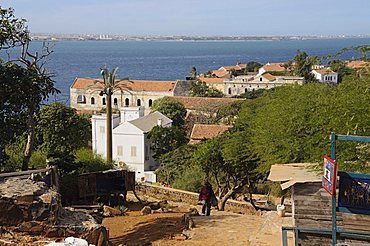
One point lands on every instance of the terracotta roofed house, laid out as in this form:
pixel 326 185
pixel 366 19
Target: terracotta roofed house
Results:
pixel 272 67
pixel 85 93
pixel 201 132
pixel 217 83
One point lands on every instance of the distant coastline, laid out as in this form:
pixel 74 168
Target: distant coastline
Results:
pixel 100 37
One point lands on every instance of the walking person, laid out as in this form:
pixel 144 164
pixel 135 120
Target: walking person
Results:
pixel 205 196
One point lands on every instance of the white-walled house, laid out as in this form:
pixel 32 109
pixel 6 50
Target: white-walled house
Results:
pixel 325 75
pixel 129 142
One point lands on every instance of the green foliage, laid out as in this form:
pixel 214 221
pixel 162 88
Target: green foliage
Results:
pixel 14 31
pixel 60 129
pixel 302 65
pixel 340 67
pixel 191 179
pixel 88 161
pixel 170 108
pixel 174 163
pixel 255 93
pixel 166 139
pixel 200 89
pixel 228 113
pixel 252 66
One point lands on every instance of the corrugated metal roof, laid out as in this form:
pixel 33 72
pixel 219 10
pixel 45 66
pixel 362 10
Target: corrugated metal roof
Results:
pixel 294 173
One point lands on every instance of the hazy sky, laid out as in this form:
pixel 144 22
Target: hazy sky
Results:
pixel 195 17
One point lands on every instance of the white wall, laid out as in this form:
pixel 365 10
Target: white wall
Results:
pixel 98 123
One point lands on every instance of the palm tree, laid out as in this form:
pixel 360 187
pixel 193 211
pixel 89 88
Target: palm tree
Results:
pixel 109 84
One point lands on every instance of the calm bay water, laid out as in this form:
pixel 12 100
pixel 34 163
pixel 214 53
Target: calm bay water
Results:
pixel 173 60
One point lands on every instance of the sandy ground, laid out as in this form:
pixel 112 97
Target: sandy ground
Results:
pixel 221 228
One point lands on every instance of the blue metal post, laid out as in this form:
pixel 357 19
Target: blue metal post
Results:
pixel 333 199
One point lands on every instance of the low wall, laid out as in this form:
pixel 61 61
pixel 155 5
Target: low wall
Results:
pixel 175 195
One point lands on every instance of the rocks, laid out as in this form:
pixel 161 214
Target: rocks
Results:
pixel 110 212
pixel 31 208
pixel 146 210
pixel 25 200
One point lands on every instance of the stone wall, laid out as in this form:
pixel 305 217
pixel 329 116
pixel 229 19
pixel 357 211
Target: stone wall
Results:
pixel 175 195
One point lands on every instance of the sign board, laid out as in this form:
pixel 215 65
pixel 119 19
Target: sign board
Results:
pixel 354 193
pixel 329 175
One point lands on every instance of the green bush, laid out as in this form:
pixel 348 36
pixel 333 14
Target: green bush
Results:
pixel 88 161
pixel 192 179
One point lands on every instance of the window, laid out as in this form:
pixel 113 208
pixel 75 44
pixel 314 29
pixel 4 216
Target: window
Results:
pixel 138 102
pixel 81 99
pixel 127 102
pixel 147 152
pixel 245 90
pixel 103 100
pixel 120 150
pixel 133 151
pixel 115 101
pixel 150 102
pixel 261 79
pixel 102 129
pixel 92 100
pixel 229 91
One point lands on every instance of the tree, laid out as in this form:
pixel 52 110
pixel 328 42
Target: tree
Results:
pixel 303 64
pixel 200 89
pixel 252 66
pixel 109 84
pixel 61 130
pixel 174 163
pixel 34 83
pixel 170 108
pixel 229 163
pixel 340 67
pixel 166 139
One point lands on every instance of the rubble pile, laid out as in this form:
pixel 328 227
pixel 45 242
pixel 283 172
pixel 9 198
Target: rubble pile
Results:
pixel 32 209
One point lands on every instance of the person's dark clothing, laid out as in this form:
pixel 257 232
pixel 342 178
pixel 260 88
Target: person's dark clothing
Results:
pixel 205 195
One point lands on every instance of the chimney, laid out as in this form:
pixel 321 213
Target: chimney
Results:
pixel 159 122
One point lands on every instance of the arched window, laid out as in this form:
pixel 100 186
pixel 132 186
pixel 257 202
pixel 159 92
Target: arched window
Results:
pixel 150 102
pixel 92 101
pixel 261 79
pixel 103 100
pixel 138 102
pixel 229 91
pixel 115 101
pixel 245 90
pixel 127 102
pixel 81 99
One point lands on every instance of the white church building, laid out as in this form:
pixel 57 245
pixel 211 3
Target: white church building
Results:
pixel 130 144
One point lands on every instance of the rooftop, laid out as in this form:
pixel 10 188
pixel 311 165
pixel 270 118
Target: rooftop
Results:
pixel 202 131
pixel 324 71
pixel 201 103
pixel 277 67
pixel 132 85
pixel 149 121
pixel 213 80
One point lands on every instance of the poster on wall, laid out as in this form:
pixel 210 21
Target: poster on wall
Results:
pixel 329 175
pixel 354 193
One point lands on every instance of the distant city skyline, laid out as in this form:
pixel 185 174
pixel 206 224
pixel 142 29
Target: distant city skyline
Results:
pixel 195 17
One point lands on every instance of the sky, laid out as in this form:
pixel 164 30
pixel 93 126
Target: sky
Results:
pixel 195 17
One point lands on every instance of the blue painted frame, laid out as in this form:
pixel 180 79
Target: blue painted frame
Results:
pixel 343 206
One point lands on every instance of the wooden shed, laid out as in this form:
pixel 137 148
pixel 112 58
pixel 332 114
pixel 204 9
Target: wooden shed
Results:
pixel 311 206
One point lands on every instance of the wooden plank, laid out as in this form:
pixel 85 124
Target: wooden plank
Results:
pixel 307 210
pixel 23 173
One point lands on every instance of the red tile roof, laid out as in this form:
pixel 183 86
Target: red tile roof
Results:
pixel 277 67
pixel 201 131
pixel 202 103
pixel 133 85
pixel 212 80
pixel 220 73
pixel 357 64
pixel 269 77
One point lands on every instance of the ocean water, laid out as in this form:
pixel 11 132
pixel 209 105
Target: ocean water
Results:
pixel 171 60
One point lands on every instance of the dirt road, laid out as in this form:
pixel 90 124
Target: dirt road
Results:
pixel 221 228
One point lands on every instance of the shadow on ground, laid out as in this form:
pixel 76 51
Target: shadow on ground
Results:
pixel 147 232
